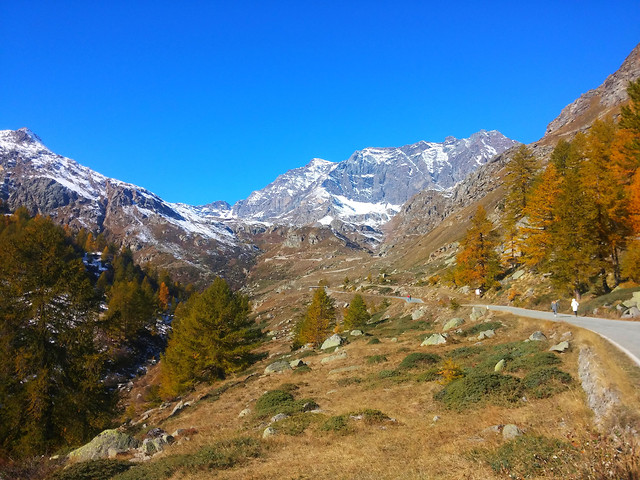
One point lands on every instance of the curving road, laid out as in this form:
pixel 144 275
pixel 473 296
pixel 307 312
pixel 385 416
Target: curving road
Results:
pixel 624 335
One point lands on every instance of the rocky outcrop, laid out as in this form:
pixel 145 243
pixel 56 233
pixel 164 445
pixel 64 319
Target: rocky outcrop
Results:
pixel 107 444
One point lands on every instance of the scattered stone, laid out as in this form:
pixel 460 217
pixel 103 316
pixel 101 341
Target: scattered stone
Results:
pixel 486 334
pixel 344 369
pixel 566 335
pixel 341 355
pixel 333 341
pixel 268 432
pixel 453 323
pixel 356 333
pixel 106 445
pixel 633 312
pixel 516 275
pixel 296 363
pixel 155 442
pixel 436 418
pixel 560 347
pixel 499 366
pixel 244 413
pixel 477 313
pixel 279 417
pixel 435 339
pixel 418 314
pixel 278 367
pixel 511 431
pixel 394 340
pixel 537 336
pixel 179 407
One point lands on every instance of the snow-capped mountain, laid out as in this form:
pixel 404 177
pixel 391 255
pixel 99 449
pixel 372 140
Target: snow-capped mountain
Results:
pixel 31 175
pixel 370 186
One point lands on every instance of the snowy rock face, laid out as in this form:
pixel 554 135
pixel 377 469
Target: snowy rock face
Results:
pixel 33 176
pixel 370 186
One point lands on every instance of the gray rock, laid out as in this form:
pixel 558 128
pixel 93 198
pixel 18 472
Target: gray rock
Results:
pixel 296 363
pixel 278 367
pixel 510 431
pixel 516 275
pixel 333 341
pixel 279 417
pixel 244 413
pixel 181 405
pixel 435 339
pixel 560 347
pixel 633 312
pixel 537 336
pixel 356 333
pixel 499 366
pixel 630 303
pixel 453 323
pixel 341 355
pixel 418 314
pixel 394 340
pixel 106 444
pixel 477 313
pixel 486 334
pixel 268 432
pixel 153 445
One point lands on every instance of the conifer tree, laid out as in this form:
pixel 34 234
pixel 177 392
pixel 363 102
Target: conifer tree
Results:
pixel 318 320
pixel 212 336
pixel 356 314
pixel 477 262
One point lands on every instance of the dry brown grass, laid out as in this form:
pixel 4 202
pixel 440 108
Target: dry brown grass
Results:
pixel 413 447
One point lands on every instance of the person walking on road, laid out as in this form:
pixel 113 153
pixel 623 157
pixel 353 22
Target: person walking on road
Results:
pixel 554 307
pixel 574 306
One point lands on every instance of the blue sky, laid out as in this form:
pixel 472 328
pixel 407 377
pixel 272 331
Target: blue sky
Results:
pixel 204 101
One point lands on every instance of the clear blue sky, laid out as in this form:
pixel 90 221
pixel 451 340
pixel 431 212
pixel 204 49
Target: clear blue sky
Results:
pixel 210 100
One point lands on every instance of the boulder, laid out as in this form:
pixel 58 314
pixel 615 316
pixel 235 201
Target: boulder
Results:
pixel 155 442
pixel 279 417
pixel 630 303
pixel 356 333
pixel 341 355
pixel 244 413
pixel 435 339
pixel 510 431
pixel 477 313
pixel 181 405
pixel 107 444
pixel 333 341
pixel 486 334
pixel 636 297
pixel 499 366
pixel 560 347
pixel 517 274
pixel 296 363
pixel 278 367
pixel 537 336
pixel 268 432
pixel 453 323
pixel 633 312
pixel 418 314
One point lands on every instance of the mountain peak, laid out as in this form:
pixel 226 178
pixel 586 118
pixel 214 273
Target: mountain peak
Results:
pixel 24 134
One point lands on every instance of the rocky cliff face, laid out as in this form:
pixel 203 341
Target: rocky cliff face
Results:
pixel 601 101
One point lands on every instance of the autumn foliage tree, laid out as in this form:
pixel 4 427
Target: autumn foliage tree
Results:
pixel 477 263
pixel 320 316
pixel 356 314
pixel 212 336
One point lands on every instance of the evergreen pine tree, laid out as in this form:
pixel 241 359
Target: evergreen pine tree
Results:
pixel 356 314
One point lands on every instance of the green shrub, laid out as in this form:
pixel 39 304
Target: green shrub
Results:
pixel 338 423
pixel 388 373
pixel 376 359
pixel 302 369
pixel 372 417
pixel 466 352
pixel 419 360
pixel 92 470
pixel 531 456
pixel 479 388
pixel 546 382
pixel 288 387
pixel 273 402
pixel 428 375
pixel 297 424
pixel 481 327
pixel 531 362
pixel 373 341
pixel 222 455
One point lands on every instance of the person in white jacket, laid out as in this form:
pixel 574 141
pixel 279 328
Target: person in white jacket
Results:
pixel 574 306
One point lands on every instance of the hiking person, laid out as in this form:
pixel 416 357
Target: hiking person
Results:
pixel 554 307
pixel 574 306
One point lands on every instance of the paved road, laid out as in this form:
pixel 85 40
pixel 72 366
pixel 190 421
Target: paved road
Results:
pixel 624 335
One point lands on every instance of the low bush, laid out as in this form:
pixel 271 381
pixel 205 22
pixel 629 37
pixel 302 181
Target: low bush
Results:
pixel 428 375
pixel 373 341
pixel 478 388
pixel 372 417
pixel 531 457
pixel 388 373
pixel 337 423
pixel 376 359
pixel 279 401
pixel 480 327
pixel 92 470
pixel 419 360
pixel 546 382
